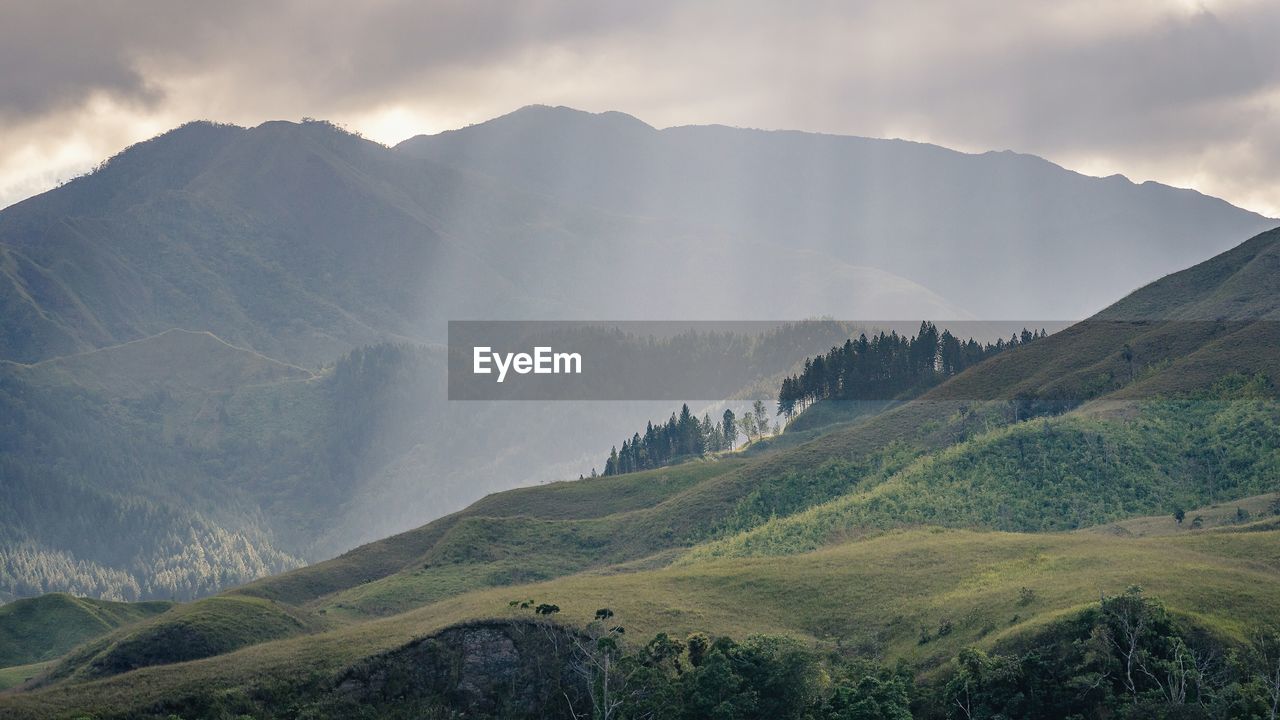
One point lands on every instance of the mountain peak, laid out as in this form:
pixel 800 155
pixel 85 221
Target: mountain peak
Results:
pixel 535 122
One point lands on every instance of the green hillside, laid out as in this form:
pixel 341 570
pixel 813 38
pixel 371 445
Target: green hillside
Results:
pixel 191 631
pixel 44 628
pixel 879 596
pixel 989 510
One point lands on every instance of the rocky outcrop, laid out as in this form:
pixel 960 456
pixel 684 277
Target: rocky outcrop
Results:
pixel 492 669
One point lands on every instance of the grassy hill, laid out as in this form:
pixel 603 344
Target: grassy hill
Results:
pixel 889 533
pixel 881 596
pixel 43 628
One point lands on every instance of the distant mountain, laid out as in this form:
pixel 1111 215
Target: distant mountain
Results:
pixel 999 234
pixel 304 241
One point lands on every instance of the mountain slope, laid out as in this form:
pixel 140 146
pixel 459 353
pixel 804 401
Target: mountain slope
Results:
pixel 1000 234
pixel 974 584
pixel 981 413
pixel 302 242
pixel 1029 440
pixel 186 465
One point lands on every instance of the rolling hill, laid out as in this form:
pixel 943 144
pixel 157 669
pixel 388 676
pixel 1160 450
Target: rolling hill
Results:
pixel 993 508
pixel 44 628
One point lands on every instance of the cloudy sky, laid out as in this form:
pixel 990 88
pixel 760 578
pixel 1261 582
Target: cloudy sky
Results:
pixel 1185 92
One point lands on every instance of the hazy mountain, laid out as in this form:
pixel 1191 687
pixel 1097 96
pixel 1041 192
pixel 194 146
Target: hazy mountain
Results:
pixel 303 241
pixel 999 234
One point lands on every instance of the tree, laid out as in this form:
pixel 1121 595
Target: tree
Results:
pixel 596 659
pixel 730 429
pixel 864 691
pixel 1265 647
pixel 1179 515
pixel 749 427
pixel 1126 354
pixel 698 643
pixel 762 416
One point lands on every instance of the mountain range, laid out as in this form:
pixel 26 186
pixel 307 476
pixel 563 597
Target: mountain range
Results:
pixel 221 377
pixel 302 241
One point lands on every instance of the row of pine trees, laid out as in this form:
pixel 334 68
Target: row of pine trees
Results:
pixel 684 435
pixel 887 366
pixel 882 367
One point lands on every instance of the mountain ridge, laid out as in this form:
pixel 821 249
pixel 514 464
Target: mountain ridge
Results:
pixel 867 201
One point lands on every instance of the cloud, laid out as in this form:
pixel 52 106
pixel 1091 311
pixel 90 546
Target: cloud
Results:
pixel 1172 90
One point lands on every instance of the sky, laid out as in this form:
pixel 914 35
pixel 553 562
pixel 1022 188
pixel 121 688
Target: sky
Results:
pixel 1183 92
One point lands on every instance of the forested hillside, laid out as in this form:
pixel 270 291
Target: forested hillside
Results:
pixel 185 465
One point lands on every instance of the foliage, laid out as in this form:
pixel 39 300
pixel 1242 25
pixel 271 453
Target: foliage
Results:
pixel 1050 474
pixel 887 365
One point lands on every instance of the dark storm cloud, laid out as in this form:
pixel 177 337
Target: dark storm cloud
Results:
pixel 58 54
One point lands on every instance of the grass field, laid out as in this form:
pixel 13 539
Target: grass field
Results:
pixel 18 674
pixel 919 594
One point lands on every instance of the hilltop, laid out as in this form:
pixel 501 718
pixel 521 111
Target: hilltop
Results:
pixel 44 628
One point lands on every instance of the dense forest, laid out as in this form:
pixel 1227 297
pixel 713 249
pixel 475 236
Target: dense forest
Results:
pixel 886 366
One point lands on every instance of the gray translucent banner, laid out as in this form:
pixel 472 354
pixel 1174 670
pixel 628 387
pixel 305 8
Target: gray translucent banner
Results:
pixel 666 360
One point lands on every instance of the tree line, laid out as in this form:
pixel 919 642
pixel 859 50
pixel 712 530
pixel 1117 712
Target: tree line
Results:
pixel 883 366
pixel 1125 657
pixel 684 435
pixel 887 365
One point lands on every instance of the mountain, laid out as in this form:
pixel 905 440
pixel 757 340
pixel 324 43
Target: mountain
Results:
pixel 303 242
pixel 991 511
pixel 998 234
pixel 172 317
